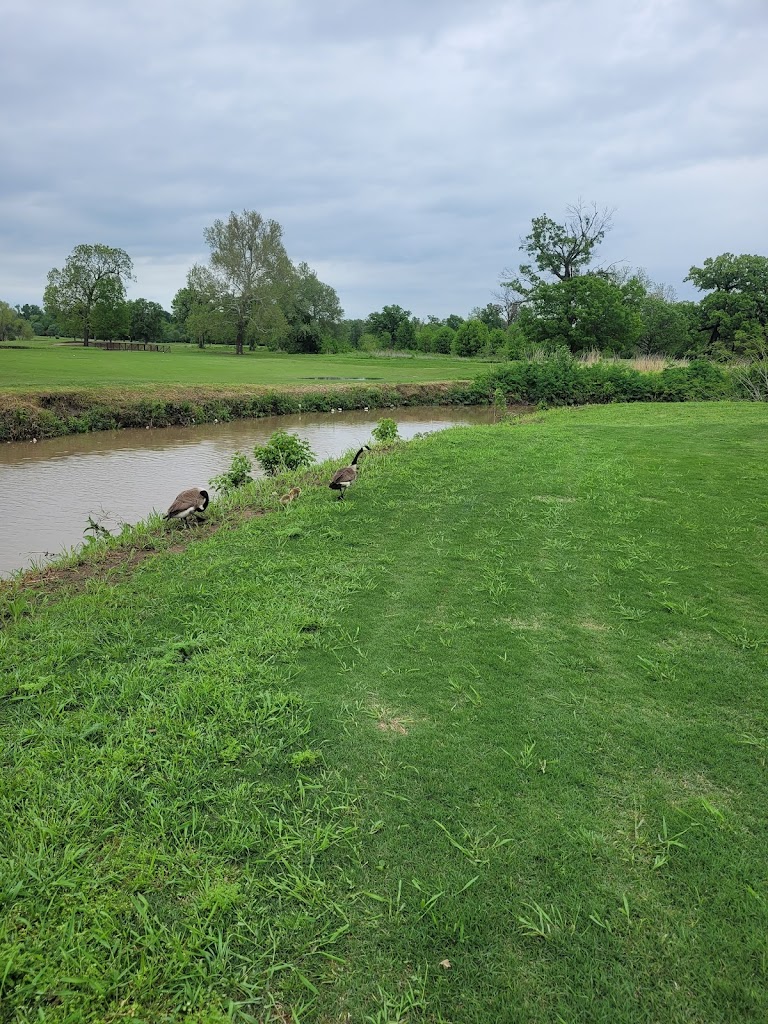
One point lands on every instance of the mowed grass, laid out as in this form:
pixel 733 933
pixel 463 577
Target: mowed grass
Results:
pixel 484 742
pixel 79 367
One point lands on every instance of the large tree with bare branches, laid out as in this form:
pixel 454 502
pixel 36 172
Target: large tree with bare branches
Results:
pixel 560 250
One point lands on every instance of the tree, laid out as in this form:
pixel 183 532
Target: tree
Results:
pixel 147 320
pixel 667 327
pixel 12 325
pixel 406 335
pixel 509 302
pixel 201 306
pixel 92 274
pixel 386 323
pixel 40 322
pixel 736 310
pixel 491 315
pixel 561 250
pixel 471 338
pixel 313 311
pixel 249 271
pixel 111 320
pixel 583 313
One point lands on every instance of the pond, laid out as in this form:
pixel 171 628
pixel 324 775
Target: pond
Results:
pixel 51 488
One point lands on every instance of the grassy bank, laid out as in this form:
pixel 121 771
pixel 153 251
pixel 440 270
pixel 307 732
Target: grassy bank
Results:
pixel 25 416
pixel 484 742
pixel 54 391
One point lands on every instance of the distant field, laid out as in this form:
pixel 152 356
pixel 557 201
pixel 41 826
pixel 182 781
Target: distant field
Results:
pixel 79 367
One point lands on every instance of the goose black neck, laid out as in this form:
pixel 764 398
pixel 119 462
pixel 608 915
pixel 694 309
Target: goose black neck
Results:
pixel 354 461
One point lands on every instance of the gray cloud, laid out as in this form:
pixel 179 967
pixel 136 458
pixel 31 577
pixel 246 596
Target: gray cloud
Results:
pixel 403 147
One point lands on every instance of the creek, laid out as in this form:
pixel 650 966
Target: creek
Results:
pixel 51 488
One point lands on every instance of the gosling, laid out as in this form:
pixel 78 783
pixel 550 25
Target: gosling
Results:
pixel 292 495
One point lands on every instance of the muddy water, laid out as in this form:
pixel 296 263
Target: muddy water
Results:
pixel 49 489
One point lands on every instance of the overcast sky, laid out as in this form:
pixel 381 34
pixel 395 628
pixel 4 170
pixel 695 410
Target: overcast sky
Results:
pixel 404 146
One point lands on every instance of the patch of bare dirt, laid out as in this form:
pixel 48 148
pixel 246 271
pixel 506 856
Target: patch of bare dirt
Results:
pixel 521 623
pixel 392 725
pixel 596 626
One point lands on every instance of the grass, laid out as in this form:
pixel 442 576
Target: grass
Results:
pixel 77 367
pixel 484 742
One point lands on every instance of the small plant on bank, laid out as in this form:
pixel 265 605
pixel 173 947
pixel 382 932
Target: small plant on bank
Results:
pixel 283 451
pixel 238 474
pixel 95 530
pixel 385 432
pixel 499 404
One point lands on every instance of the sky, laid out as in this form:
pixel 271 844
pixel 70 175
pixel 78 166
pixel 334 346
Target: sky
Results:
pixel 404 146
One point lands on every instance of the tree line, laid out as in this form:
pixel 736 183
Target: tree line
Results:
pixel 250 294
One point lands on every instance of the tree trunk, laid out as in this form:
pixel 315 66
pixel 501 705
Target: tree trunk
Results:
pixel 239 340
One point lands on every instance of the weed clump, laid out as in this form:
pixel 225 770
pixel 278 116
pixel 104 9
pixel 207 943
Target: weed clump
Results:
pixel 283 451
pixel 238 475
pixel 385 431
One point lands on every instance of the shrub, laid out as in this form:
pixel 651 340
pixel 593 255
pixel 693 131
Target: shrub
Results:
pixel 385 432
pixel 283 451
pixel 559 380
pixel 238 474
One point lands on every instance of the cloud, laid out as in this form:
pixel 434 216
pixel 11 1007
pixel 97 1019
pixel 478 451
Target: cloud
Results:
pixel 403 147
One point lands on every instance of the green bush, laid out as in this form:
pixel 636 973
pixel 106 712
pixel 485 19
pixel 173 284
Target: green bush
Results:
pixel 385 432
pixel 560 380
pixel 238 474
pixel 283 451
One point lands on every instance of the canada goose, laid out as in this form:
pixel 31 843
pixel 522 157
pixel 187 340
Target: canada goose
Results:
pixel 292 495
pixel 191 502
pixel 347 475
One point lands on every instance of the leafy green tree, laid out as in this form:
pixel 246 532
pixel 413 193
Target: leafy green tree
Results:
pixel 92 274
pixel 668 328
pixel 444 338
pixel 736 310
pixel 582 313
pixel 181 307
pixel 405 338
pixel 352 331
pixel 147 319
pixel 562 251
pixel 249 272
pixel 39 322
pixel 111 320
pixel 313 311
pixel 491 315
pixel 385 324
pixel 201 305
pixel 454 321
pixel 471 338
pixel 12 325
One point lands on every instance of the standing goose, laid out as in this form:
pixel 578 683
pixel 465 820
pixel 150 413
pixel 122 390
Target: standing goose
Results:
pixel 347 475
pixel 192 502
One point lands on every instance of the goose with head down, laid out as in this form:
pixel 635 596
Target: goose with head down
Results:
pixel 190 503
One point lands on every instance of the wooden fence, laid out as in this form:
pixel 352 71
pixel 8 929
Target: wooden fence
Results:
pixel 131 346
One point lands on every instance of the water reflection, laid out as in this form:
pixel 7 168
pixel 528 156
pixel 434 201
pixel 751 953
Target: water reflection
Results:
pixel 51 488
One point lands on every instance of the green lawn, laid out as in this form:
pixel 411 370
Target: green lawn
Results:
pixel 79 367
pixel 485 742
